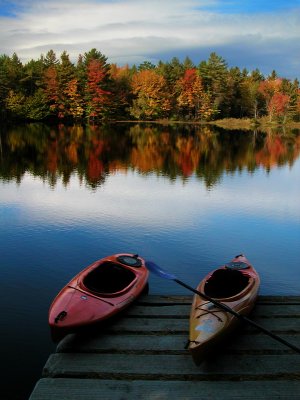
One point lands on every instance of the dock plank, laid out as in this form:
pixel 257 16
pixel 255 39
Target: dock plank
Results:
pixel 171 344
pixel 183 311
pixel 141 355
pixel 181 325
pixel 93 389
pixel 172 367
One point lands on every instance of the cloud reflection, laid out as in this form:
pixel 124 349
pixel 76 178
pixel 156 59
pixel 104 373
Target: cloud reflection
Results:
pixel 152 201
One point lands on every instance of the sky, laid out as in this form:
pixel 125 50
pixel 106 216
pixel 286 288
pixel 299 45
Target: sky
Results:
pixel 263 34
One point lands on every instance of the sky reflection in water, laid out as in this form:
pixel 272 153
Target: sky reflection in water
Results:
pixel 184 227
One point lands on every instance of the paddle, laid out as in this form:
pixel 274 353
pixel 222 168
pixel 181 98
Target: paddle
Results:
pixel 163 274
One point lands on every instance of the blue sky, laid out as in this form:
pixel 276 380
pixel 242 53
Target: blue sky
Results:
pixel 252 6
pixel 250 34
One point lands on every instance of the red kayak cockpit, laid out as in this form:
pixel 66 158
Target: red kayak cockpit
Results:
pixel 109 279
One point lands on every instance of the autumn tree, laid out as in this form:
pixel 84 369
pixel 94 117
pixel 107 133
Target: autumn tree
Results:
pixel 120 88
pixel 277 103
pixel 36 106
pixel 51 90
pixel 252 101
pixel 75 100
pixel 151 98
pixel 172 71
pixel 192 99
pixel 15 103
pixel 94 54
pixel 97 97
pixel 67 85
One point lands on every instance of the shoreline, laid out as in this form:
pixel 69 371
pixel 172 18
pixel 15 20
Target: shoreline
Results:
pixel 225 123
pixel 246 124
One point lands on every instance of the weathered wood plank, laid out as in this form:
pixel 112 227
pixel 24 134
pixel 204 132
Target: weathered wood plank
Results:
pixel 279 299
pixel 277 310
pixel 123 343
pixel 171 344
pixel 175 325
pixel 93 389
pixel 159 310
pixel 165 299
pixel 168 299
pixel 188 299
pixel 175 310
pixel 172 367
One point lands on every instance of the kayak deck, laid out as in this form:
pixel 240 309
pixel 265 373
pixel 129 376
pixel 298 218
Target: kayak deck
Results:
pixel 141 354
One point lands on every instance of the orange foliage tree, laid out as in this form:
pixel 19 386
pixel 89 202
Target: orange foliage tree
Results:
pixel 75 101
pixel 151 97
pixel 277 103
pixel 51 89
pixel 192 97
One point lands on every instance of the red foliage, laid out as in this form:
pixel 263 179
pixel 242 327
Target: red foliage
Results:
pixel 279 104
pixel 269 87
pixel 98 97
pixel 52 87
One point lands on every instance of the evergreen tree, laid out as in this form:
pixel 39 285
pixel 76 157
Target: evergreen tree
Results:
pixel 65 75
pixel 33 76
pixel 214 74
pixel 145 66
pixel 50 59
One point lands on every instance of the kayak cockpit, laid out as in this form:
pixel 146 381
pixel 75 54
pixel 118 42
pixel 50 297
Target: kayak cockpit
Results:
pixel 109 278
pixel 225 283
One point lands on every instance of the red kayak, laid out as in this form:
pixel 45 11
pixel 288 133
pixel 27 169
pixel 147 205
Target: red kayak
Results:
pixel 98 292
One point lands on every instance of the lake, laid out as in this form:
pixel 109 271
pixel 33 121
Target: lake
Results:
pixel 187 197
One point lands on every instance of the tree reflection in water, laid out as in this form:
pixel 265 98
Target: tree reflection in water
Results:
pixel 178 151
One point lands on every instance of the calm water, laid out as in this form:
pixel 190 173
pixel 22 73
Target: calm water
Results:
pixel 187 198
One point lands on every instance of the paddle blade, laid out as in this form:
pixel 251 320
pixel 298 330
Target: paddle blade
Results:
pixel 159 271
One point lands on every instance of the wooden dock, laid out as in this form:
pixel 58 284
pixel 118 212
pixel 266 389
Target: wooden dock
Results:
pixel 141 355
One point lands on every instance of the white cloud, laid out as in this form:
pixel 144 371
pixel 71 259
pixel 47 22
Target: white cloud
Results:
pixel 130 30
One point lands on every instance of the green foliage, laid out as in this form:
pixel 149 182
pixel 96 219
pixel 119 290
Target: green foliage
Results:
pixel 15 103
pixel 36 106
pixel 146 65
pixel 31 81
pixel 50 59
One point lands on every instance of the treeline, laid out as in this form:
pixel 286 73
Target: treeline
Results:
pixel 94 90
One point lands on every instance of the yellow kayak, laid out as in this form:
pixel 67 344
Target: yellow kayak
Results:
pixel 235 285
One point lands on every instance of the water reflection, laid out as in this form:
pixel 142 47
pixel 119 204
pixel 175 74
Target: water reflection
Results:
pixel 188 198
pixel 93 152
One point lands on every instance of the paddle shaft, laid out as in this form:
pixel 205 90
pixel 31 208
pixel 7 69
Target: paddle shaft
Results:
pixel 239 316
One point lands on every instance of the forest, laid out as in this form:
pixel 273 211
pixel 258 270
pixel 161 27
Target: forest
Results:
pixel 92 90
